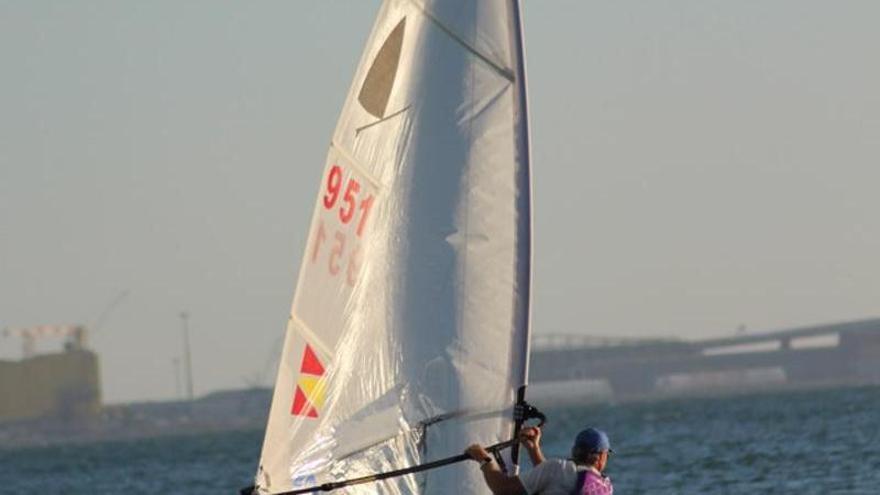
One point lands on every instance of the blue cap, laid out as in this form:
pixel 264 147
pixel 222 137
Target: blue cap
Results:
pixel 592 440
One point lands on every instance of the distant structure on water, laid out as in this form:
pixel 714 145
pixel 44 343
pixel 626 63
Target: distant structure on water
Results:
pixel 572 368
pixel 63 385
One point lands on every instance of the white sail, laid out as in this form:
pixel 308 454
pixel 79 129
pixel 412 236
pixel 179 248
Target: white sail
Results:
pixel 408 333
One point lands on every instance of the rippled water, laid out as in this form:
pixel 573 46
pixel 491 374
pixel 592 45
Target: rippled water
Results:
pixel 816 442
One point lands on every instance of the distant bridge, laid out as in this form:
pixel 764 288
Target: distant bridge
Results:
pixel 840 353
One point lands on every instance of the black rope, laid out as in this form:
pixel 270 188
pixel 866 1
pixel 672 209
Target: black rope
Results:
pixel 326 487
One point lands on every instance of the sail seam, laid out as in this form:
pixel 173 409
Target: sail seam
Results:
pixel 310 336
pixel 356 165
pixel 500 69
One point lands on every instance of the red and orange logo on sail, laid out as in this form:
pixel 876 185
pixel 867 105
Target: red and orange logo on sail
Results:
pixel 309 394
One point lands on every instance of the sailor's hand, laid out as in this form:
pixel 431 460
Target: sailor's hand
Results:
pixel 477 453
pixel 530 437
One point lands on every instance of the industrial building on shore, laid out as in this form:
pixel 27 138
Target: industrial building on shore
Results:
pixel 64 385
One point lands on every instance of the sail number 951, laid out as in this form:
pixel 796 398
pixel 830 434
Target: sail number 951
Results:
pixel 348 198
pixel 334 243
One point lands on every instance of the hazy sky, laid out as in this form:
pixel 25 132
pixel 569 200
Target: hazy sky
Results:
pixel 698 165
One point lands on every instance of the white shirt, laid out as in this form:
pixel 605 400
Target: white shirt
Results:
pixel 552 477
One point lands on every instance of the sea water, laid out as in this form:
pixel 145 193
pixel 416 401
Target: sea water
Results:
pixel 806 442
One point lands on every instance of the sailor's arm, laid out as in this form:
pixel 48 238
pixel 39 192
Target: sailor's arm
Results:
pixel 499 482
pixel 530 437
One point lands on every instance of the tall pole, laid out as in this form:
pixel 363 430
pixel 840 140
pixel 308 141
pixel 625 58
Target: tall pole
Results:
pixel 187 357
pixel 176 363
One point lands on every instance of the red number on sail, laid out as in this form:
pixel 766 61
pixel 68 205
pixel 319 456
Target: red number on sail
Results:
pixel 354 266
pixel 336 253
pixel 365 212
pixel 334 182
pixel 346 212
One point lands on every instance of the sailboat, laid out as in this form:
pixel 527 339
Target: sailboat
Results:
pixel 409 329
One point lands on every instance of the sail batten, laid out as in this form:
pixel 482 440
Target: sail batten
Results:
pixel 409 324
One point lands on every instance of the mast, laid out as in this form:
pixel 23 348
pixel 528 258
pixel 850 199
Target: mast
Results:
pixel 524 220
pixel 187 356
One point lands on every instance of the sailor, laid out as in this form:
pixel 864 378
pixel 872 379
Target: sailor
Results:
pixel 580 475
